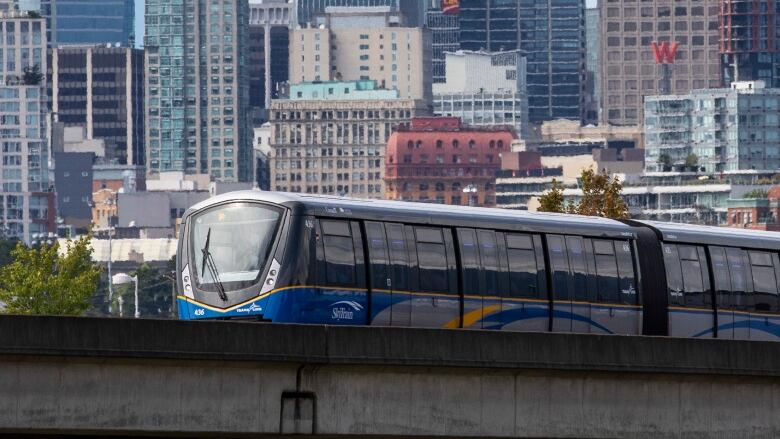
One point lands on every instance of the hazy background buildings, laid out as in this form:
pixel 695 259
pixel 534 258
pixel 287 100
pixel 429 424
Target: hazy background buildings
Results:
pixel 305 96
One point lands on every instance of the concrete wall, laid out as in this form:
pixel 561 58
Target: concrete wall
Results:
pixel 193 378
pixel 134 396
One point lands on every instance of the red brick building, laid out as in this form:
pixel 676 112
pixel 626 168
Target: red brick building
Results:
pixel 756 213
pixel 439 160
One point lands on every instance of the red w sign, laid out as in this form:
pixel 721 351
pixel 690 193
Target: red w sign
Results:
pixel 450 6
pixel 664 54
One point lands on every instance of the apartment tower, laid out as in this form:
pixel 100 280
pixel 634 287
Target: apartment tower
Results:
pixel 197 89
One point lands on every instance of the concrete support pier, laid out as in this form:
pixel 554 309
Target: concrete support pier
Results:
pixel 145 377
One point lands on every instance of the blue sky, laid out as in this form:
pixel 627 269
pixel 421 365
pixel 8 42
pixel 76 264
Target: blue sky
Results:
pixel 139 22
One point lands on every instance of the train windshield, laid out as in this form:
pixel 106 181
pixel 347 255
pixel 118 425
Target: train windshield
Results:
pixel 231 244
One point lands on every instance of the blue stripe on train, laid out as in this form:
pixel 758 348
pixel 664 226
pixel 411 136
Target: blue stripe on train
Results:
pixel 346 307
pixel 767 326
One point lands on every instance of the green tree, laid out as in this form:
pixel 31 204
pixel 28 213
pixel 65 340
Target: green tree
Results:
pixel 42 281
pixel 33 75
pixel 692 161
pixel 552 201
pixel 756 193
pixel 7 246
pixel 665 161
pixel 601 196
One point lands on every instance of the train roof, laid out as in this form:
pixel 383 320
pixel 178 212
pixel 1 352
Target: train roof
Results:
pixel 426 213
pixel 709 235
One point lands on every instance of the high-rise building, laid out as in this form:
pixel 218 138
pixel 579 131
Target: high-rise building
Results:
pixel 714 130
pixel 413 10
pixel 270 22
pixel 592 66
pixel 330 137
pixel 445 37
pixel 750 40
pixel 629 70
pixel 440 160
pixel 551 33
pixel 197 89
pixel 89 21
pixel 7 5
pixel 101 89
pixel 27 208
pixel 485 89
pixel 363 44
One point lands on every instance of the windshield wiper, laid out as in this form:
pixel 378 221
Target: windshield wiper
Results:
pixel 208 262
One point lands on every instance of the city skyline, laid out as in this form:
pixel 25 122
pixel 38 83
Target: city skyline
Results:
pixel 569 78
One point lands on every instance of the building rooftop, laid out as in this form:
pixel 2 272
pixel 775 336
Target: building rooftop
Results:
pixel 341 90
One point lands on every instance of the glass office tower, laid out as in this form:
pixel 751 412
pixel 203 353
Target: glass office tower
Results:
pixel 72 22
pixel 197 89
pixel 551 33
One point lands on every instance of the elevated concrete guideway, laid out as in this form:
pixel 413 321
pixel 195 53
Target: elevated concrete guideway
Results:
pixel 146 377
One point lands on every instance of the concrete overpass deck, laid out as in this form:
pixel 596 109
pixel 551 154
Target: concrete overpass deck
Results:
pixel 152 377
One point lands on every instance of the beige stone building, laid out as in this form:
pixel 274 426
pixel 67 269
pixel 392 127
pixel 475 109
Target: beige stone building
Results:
pixel 330 138
pixel 364 43
pixel 628 69
pixel 565 130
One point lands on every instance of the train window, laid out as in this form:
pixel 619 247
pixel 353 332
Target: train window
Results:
pixel 489 256
pixel 377 253
pixel 686 274
pixel 469 256
pixel 673 274
pixel 560 267
pixel 339 253
pixel 720 272
pixel 432 260
pixel 693 282
pixel 625 261
pixel 523 268
pixel 398 256
pixel 740 288
pixel 764 281
pixel 606 271
pixel 578 268
pixel 523 242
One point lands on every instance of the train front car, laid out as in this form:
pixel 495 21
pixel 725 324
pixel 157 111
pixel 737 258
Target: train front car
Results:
pixel 230 256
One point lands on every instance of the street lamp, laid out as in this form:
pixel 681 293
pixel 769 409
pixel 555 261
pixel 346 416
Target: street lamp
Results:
pixel 124 279
pixel 471 192
pixel 110 283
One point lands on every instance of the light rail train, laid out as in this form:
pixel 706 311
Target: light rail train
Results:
pixel 300 258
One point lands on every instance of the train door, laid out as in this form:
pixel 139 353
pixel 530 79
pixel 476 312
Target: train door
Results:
pixel 491 293
pixel 380 282
pixel 400 269
pixel 763 305
pixel 562 288
pixel 526 306
pixel 690 306
pixel 436 303
pixel 614 307
pixel 628 316
pixel 341 297
pixel 741 288
pixel 472 278
pixel 606 299
pixel 724 301
pixel 580 305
